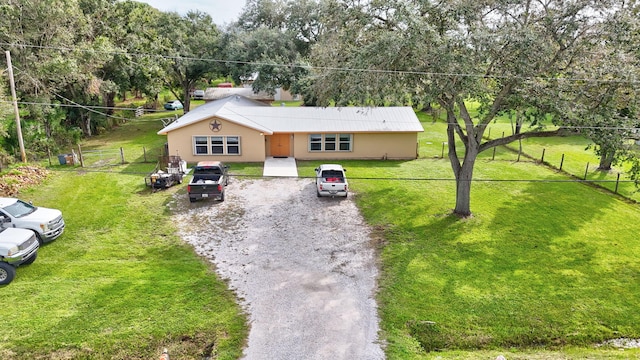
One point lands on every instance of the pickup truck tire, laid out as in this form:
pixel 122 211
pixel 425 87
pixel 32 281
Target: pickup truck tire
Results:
pixel 7 273
pixel 192 199
pixel 40 241
pixel 222 196
pixel 31 259
pixel 317 193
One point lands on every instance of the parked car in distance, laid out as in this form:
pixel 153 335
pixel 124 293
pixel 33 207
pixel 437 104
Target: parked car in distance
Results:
pixel 17 247
pixel 47 224
pixel 173 105
pixel 198 95
pixel 331 180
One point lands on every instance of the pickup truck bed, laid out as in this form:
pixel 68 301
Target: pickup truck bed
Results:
pixel 209 181
pixel 331 180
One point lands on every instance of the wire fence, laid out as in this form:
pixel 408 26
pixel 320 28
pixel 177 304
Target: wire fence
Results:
pixel 615 180
pixel 102 158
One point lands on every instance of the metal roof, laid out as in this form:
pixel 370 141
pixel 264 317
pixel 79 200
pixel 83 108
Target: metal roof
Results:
pixel 270 119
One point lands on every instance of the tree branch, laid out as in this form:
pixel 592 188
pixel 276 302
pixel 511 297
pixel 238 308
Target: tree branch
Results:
pixel 525 135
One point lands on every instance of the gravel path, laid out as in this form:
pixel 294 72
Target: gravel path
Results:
pixel 304 267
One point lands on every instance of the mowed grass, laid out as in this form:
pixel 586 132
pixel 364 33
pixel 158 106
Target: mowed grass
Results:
pixel 119 283
pixel 546 268
pixel 569 154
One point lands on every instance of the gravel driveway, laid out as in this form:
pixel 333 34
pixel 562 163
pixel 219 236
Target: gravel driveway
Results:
pixel 304 267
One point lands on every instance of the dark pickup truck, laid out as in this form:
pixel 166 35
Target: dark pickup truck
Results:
pixel 209 181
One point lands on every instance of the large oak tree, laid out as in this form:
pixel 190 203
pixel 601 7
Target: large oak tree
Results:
pixel 510 56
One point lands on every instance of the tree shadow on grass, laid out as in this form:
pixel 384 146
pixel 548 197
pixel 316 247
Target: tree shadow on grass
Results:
pixel 524 275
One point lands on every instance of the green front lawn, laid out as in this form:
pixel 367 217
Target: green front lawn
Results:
pixel 545 269
pixel 119 283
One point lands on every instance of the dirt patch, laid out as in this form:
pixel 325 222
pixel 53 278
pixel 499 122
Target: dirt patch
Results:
pixel 21 177
pixel 304 267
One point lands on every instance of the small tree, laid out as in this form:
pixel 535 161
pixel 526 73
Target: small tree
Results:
pixel 189 44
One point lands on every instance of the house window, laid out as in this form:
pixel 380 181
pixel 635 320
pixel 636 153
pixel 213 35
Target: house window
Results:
pixel 216 145
pixel 345 142
pixel 233 145
pixel 315 142
pixel 201 145
pixel 330 142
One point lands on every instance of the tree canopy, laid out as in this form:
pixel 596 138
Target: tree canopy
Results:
pixel 526 57
pixel 554 66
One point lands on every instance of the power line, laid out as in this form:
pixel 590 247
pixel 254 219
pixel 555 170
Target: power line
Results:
pixel 84 106
pixel 85 170
pixel 328 68
pixel 90 107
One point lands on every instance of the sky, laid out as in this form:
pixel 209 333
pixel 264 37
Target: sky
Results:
pixel 222 11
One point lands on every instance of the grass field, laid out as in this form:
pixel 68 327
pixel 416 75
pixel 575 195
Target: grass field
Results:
pixel 119 283
pixel 545 269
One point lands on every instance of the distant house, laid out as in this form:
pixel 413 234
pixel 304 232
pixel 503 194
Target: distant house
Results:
pixel 217 93
pixel 238 129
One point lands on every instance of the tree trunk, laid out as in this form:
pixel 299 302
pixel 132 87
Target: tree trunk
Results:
pixel 463 171
pixel 110 102
pixel 85 120
pixel 464 177
pixel 606 159
pixel 186 87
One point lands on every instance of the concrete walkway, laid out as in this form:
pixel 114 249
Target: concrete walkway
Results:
pixel 280 167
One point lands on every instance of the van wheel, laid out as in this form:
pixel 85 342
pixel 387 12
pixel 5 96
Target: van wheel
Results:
pixel 31 259
pixel 7 273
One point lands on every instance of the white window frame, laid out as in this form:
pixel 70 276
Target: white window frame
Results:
pixel 228 142
pixel 336 141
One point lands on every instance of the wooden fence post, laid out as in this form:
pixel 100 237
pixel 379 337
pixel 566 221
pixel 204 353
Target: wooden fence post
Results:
pixel 80 156
pixel 561 161
pixel 542 159
pixel 122 155
pixel 586 171
pixel 617 183
pixel 442 155
pixel 144 151
pixel 493 157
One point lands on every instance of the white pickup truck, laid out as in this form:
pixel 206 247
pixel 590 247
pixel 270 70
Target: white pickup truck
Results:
pixel 46 223
pixel 331 180
pixel 17 247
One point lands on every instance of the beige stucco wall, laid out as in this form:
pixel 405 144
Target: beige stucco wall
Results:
pixel 255 146
pixel 252 146
pixel 365 146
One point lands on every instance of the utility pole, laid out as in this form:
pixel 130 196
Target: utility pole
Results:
pixel 23 154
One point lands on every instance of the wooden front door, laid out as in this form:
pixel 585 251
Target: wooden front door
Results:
pixel 280 145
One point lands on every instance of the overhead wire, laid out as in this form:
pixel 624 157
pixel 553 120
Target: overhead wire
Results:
pixel 329 68
pixel 88 170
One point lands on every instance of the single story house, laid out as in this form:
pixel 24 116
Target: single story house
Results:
pixel 217 93
pixel 238 129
